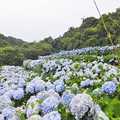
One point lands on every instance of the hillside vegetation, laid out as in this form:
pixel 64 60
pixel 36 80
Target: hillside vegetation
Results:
pixel 10 41
pixel 91 33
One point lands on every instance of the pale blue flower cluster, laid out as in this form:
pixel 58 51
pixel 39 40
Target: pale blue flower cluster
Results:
pixel 81 104
pixel 2 91
pixel 1 117
pixel 49 85
pixel 8 112
pixel 67 97
pixel 60 88
pixel 49 104
pixel 18 94
pixel 59 85
pixel 39 85
pixel 35 85
pixel 54 115
pixel 45 94
pixel 56 65
pixel 32 63
pixel 4 101
pixel 35 109
pixel 85 83
pixel 109 87
pixel 9 94
pixel 30 88
pixel 59 82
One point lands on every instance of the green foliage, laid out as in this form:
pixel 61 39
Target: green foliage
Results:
pixel 39 69
pixel 10 41
pixel 32 105
pixel 90 33
pixel 107 58
pixel 65 115
pixel 28 79
pixel 11 56
pixel 15 55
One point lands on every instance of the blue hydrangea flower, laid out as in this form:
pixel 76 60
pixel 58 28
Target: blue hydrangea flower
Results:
pixel 8 112
pixel 39 85
pixel 14 117
pixel 59 82
pixel 14 87
pixel 31 98
pixel 4 101
pixel 64 77
pixel 49 104
pixel 49 85
pixel 57 74
pixel 42 95
pixel 9 93
pixel 35 117
pixel 35 109
pixel 85 83
pixel 81 104
pixel 1 117
pixel 30 88
pixel 2 91
pixel 66 98
pixel 109 87
pixel 96 91
pixel 54 115
pixel 18 94
pixel 59 88
pixel 45 94
pixel 97 70
pixel 21 84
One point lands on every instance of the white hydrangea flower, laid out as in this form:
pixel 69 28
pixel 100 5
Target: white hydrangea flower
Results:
pixel 35 117
pixel 81 104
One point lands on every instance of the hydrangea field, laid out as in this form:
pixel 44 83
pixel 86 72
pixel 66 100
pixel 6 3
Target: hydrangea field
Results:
pixel 81 84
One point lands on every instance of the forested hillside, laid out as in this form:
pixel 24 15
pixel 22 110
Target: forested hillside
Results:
pixel 10 41
pixel 91 33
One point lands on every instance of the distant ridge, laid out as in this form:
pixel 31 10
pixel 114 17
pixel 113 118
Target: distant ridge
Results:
pixel 10 41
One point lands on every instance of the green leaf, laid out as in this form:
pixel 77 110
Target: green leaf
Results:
pixel 22 117
pixel 101 118
pixel 105 102
pixel 39 101
pixel 17 114
pixel 70 117
pixel 32 105
pixel 64 117
pixel 60 106
pixel 13 104
pixel 34 114
pixel 19 111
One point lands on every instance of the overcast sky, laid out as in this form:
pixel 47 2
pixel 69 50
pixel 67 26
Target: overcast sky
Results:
pixel 33 20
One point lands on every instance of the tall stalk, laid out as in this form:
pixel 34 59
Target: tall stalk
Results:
pixel 109 36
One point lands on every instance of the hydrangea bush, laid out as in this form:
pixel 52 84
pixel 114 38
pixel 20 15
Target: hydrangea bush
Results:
pixel 64 85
